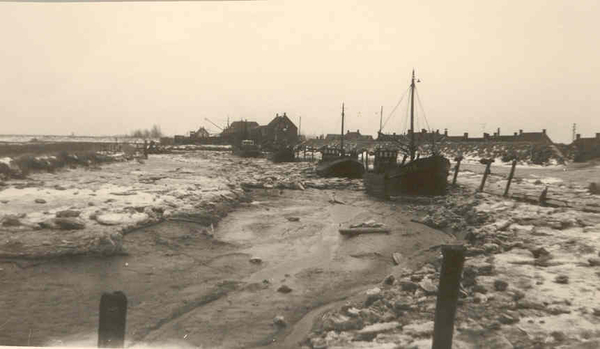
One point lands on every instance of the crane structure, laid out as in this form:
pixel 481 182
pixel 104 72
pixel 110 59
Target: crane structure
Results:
pixel 217 126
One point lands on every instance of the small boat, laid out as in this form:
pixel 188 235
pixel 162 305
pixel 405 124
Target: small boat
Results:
pixel 418 176
pixel 343 166
pixel 247 149
pixel 336 163
pixel 283 154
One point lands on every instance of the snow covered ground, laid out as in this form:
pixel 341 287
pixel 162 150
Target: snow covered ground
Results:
pixel 531 277
pixel 91 208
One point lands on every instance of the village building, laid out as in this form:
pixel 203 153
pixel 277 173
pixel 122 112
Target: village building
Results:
pixel 280 130
pixel 201 133
pixel 349 136
pixel 238 130
pixel 525 137
pixel 586 148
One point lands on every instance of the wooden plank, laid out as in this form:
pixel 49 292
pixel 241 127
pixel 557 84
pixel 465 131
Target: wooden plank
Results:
pixel 357 231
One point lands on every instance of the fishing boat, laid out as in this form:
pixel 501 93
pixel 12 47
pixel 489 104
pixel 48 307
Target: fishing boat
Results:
pixel 282 154
pixel 336 163
pixel 419 176
pixel 247 149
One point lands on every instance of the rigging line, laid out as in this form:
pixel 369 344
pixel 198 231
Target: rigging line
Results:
pixel 406 117
pixel 393 110
pixel 423 110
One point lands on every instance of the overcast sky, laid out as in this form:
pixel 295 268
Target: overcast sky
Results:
pixel 109 68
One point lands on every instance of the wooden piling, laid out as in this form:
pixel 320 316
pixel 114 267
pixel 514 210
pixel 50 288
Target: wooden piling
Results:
pixel 445 309
pixel 456 169
pixel 543 196
pixel 510 177
pixel 485 174
pixel 113 314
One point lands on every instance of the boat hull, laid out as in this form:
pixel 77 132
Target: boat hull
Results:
pixel 345 167
pixel 427 176
pixel 247 152
pixel 283 155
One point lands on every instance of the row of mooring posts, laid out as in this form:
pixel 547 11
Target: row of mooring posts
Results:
pixel 113 306
pixel 488 171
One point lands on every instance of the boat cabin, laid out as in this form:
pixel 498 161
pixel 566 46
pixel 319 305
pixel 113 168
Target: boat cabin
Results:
pixel 335 153
pixel 384 159
pixel 330 153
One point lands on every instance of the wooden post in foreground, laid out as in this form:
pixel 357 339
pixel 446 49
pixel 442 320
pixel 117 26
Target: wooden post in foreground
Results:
pixel 488 163
pixel 456 168
pixel 445 309
pixel 510 177
pixel 113 314
pixel 543 196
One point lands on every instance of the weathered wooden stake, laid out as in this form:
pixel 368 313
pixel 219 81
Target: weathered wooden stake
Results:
pixel 456 168
pixel 510 177
pixel 113 314
pixel 485 174
pixel 445 309
pixel 543 196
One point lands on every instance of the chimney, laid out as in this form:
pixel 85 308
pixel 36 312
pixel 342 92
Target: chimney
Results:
pixel 437 131
pixel 466 136
pixel 544 131
pixel 578 135
pixel 498 131
pixel 520 132
pixel 445 132
pixel 515 134
pixel 284 114
pixel 358 131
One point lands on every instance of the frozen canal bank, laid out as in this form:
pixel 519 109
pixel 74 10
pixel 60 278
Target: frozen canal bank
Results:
pixel 187 282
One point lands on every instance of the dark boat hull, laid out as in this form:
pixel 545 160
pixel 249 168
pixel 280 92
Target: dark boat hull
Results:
pixel 344 167
pixel 247 153
pixel 283 155
pixel 427 176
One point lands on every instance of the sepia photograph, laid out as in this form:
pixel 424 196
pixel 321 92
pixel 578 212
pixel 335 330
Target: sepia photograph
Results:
pixel 300 174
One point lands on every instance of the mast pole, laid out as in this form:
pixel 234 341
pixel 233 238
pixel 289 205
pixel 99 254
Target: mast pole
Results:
pixel 342 142
pixel 412 117
pixel 381 119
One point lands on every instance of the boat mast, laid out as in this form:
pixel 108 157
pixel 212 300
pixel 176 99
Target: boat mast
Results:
pixel 412 117
pixel 342 143
pixel 381 119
